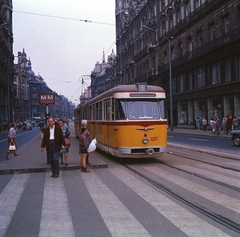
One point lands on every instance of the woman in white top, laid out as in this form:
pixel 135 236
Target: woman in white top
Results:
pixel 11 138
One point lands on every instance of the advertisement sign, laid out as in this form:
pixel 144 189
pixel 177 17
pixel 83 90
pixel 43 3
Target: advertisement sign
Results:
pixel 46 98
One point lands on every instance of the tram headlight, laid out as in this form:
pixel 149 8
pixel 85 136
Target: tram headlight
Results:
pixel 145 140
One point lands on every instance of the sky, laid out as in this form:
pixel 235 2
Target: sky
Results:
pixel 63 47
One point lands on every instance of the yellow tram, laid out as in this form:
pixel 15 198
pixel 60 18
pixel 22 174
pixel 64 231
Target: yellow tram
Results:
pixel 128 121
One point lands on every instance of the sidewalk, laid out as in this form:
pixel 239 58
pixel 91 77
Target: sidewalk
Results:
pixel 197 132
pixel 31 159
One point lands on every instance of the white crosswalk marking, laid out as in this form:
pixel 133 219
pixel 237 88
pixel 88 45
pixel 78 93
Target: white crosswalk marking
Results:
pixel 189 223
pixel 9 199
pixel 56 218
pixel 116 216
pixel 213 175
pixel 221 199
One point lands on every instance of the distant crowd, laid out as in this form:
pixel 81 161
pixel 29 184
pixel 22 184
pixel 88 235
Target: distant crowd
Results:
pixel 216 125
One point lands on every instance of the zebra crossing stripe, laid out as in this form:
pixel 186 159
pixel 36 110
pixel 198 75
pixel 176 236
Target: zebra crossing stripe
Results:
pixel 219 198
pixel 9 199
pixel 56 218
pixel 116 216
pixel 187 222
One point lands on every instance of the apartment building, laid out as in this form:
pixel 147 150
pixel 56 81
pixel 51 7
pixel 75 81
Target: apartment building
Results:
pixel 191 48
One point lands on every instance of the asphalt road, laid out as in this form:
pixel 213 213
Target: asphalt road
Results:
pixel 204 142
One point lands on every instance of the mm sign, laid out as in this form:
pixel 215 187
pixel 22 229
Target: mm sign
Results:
pixel 46 98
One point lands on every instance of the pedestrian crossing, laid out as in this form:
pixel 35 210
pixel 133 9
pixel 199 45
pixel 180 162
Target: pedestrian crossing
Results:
pixel 105 202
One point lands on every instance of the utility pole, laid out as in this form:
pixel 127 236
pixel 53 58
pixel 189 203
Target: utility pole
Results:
pixel 20 83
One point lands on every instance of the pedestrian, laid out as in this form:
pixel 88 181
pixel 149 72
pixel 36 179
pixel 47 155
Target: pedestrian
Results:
pixel 224 125
pixel 198 123
pixel 235 124
pixel 88 135
pixel 53 140
pixel 12 139
pixel 204 123
pixel 218 123
pixel 66 134
pixel 214 125
pixel 228 124
pixel 83 149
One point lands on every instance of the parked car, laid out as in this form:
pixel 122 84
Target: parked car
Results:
pixel 236 137
pixel 27 126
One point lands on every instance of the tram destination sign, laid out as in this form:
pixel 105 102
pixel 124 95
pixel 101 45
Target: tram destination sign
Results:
pixel 47 98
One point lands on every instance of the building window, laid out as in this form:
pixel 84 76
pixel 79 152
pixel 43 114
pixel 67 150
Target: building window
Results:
pixel 174 85
pixel 180 48
pixel 187 8
pixel 189 47
pixel 225 24
pixel 212 31
pixel 199 38
pixel 182 83
pixel 190 85
pixel 178 16
pixel 199 78
pixel 227 70
pixel 198 3
pixel 237 66
pixel 215 73
pixel 162 5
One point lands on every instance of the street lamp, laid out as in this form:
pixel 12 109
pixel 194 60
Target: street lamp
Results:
pixel 170 74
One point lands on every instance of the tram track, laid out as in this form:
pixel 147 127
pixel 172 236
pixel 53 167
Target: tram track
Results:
pixel 212 215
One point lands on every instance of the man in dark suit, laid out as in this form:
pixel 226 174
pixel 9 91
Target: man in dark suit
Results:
pixel 53 140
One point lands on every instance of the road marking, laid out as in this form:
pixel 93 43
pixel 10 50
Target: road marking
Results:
pixel 116 216
pixel 210 194
pixel 206 171
pixel 186 221
pixel 56 219
pixel 9 199
pixel 196 139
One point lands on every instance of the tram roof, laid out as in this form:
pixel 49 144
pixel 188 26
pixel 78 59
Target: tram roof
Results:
pixel 133 88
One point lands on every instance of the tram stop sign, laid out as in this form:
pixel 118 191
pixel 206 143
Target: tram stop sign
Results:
pixel 47 98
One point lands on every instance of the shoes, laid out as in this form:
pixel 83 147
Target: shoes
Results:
pixel 6 157
pixel 15 154
pixel 66 164
pixel 56 175
pixel 61 163
pixel 84 169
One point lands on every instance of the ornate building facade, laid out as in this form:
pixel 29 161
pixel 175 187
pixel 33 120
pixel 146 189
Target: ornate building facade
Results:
pixel 103 77
pixel 201 41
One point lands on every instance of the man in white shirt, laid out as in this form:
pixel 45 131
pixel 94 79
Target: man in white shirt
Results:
pixel 53 140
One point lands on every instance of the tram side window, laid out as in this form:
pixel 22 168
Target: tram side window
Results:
pixel 113 109
pixel 100 111
pixel 162 109
pixel 120 109
pixel 94 112
pixel 90 113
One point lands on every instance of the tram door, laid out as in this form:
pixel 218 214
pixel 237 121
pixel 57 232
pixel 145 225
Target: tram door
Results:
pixel 107 114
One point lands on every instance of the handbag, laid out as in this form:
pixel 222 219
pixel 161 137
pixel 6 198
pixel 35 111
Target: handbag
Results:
pixel 67 141
pixel 12 147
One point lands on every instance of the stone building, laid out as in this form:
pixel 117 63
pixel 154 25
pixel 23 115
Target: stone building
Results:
pixel 28 86
pixel 103 77
pixel 6 63
pixel 201 41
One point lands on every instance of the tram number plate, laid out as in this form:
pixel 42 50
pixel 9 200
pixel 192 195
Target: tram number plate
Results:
pixel 153 139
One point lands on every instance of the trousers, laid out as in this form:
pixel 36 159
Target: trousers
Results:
pixel 53 156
